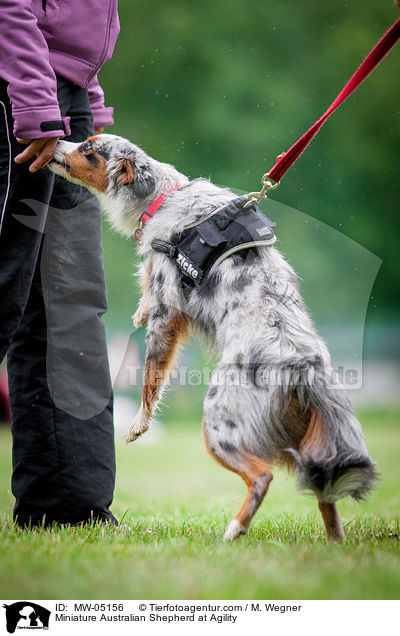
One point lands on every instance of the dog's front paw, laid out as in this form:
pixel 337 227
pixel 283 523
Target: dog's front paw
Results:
pixel 140 317
pixel 234 530
pixel 140 425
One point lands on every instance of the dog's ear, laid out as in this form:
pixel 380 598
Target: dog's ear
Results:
pixel 125 172
pixel 144 182
pixel 140 177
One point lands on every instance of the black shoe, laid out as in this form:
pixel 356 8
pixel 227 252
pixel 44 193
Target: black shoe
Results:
pixel 46 520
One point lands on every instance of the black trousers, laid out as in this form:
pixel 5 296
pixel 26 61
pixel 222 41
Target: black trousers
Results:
pixel 52 298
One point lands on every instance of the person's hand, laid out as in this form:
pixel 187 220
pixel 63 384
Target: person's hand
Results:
pixel 397 3
pixel 100 129
pixel 42 148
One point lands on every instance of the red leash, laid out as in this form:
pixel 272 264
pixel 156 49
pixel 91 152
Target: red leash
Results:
pixel 287 159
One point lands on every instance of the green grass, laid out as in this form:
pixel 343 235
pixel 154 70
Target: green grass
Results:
pixel 176 502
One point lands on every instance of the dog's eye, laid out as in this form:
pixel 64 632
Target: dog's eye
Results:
pixel 86 147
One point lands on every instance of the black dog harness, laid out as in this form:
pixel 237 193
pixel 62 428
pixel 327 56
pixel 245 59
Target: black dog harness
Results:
pixel 201 247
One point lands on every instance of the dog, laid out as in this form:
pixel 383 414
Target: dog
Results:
pixel 252 311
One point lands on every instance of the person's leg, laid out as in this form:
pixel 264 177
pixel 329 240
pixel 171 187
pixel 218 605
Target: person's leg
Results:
pixel 60 389
pixel 20 226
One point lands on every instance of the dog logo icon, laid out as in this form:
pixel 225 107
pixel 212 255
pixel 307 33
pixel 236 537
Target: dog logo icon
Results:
pixel 26 615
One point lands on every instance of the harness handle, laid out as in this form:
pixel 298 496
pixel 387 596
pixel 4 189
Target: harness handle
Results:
pixel 285 160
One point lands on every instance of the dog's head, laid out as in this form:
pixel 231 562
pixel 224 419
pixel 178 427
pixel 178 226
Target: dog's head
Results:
pixel 106 164
pixel 122 175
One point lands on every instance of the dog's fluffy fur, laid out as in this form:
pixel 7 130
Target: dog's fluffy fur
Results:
pixel 272 400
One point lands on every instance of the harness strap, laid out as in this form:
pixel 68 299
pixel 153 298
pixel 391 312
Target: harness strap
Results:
pixel 380 50
pixel 164 247
pixel 200 247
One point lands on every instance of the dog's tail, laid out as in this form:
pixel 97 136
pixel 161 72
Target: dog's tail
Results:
pixel 332 459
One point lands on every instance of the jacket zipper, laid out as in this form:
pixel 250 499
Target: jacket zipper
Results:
pixel 107 39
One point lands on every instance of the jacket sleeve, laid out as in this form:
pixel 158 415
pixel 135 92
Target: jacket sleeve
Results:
pixel 24 64
pixel 102 115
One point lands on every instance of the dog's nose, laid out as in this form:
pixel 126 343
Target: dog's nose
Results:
pixel 61 150
pixel 58 153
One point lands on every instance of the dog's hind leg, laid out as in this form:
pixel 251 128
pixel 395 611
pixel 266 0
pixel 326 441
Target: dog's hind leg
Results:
pixel 254 471
pixel 333 525
pixel 165 332
pixel 314 447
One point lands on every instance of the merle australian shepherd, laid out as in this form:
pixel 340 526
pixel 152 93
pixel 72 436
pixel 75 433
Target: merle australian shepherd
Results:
pixel 252 311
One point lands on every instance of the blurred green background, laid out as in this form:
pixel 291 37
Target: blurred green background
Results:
pixel 220 89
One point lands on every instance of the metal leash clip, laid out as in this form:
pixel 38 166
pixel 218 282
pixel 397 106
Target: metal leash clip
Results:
pixel 267 185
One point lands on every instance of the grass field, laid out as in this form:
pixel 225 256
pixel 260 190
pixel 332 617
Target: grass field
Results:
pixel 175 503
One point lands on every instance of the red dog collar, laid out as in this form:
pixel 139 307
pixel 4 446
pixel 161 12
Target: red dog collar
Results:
pixel 151 210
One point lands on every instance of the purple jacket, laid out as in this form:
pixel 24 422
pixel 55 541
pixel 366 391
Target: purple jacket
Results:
pixel 39 38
